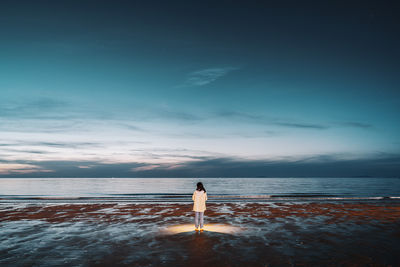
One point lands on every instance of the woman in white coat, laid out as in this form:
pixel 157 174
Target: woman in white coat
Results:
pixel 199 197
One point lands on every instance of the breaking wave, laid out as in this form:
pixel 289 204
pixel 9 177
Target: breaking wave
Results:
pixel 158 197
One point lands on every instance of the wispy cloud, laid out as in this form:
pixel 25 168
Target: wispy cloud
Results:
pixel 23 143
pixel 25 151
pixel 176 114
pixel 18 168
pixel 287 122
pixel 33 108
pixel 260 119
pixel 301 125
pixel 240 115
pixel 206 76
pixel 130 126
pixel 355 124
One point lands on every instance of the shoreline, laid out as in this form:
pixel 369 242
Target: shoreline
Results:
pixel 187 199
pixel 385 210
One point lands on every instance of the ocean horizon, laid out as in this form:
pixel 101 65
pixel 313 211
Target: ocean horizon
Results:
pixel 180 189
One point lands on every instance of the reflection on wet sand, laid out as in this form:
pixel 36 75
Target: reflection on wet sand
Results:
pixel 220 228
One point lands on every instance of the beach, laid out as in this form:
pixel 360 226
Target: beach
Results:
pixel 121 121
pixel 325 233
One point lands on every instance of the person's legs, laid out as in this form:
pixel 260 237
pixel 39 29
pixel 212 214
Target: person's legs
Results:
pixel 196 219
pixel 201 219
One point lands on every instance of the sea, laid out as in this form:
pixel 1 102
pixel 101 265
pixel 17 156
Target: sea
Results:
pixel 181 189
pixel 88 222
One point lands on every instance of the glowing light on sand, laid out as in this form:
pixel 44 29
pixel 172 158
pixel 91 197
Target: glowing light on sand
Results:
pixel 220 228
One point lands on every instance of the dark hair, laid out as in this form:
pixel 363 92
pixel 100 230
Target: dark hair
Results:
pixel 200 187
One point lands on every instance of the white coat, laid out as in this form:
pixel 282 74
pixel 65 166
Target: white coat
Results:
pixel 199 198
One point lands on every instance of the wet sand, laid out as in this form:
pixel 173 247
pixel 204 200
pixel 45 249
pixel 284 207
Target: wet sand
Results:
pixel 267 234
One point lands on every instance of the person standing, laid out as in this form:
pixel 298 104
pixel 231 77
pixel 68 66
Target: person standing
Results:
pixel 199 206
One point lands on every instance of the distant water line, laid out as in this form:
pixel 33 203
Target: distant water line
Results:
pixel 181 189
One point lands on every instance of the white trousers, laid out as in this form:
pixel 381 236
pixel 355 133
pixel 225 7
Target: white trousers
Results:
pixel 199 219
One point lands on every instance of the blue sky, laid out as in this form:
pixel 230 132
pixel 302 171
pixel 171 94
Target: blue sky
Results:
pixel 149 88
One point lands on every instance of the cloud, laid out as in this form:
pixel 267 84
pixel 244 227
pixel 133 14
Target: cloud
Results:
pixel 129 126
pixel 52 144
pixel 85 167
pixel 42 150
pixel 21 169
pixel 65 168
pixel 146 168
pixel 317 166
pixel 206 76
pixel 301 125
pixel 355 124
pixel 26 151
pixel 155 113
pixel 339 165
pixel 43 107
pixel 176 114
pixel 259 119
pixel 240 115
pixel 287 122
